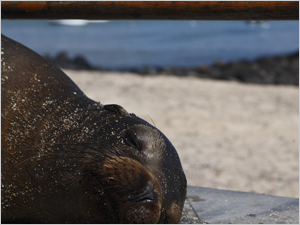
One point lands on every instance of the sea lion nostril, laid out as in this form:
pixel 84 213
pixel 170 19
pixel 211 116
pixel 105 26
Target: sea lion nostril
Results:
pixel 148 195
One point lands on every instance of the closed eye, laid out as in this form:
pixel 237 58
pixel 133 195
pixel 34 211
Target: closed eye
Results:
pixel 131 140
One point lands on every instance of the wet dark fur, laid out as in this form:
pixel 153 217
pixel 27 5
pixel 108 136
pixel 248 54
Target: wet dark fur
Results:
pixel 69 159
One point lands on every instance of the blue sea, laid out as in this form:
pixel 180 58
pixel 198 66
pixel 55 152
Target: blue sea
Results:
pixel 125 44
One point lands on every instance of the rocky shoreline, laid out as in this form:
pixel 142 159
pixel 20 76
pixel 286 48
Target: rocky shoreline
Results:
pixel 275 70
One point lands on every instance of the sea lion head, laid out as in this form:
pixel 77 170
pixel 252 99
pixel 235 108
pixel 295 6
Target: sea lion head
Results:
pixel 140 179
pixel 68 159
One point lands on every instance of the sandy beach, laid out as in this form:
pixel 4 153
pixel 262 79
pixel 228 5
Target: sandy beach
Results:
pixel 228 135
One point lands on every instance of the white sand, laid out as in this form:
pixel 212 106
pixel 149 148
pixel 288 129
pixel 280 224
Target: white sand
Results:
pixel 228 135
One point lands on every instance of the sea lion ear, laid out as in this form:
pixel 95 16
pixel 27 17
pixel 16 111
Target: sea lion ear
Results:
pixel 119 110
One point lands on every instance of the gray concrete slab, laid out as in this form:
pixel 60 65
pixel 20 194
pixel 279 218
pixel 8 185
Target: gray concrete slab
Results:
pixel 207 205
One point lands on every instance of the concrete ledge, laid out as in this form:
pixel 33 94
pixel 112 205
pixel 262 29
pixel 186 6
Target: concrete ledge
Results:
pixel 207 205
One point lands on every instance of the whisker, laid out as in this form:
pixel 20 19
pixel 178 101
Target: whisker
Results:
pixel 152 121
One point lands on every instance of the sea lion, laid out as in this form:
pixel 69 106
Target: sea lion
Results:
pixel 68 159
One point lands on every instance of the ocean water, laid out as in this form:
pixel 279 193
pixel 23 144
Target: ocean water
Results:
pixel 134 44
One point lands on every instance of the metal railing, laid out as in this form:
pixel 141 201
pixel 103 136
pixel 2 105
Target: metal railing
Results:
pixel 152 10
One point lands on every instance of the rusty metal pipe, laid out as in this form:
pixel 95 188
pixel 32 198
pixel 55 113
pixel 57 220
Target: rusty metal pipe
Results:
pixel 152 10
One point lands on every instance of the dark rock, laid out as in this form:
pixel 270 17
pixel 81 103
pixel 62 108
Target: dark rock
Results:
pixel 265 70
pixel 63 61
pixel 81 63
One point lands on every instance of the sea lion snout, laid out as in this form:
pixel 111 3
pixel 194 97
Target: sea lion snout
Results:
pixel 135 190
pixel 161 159
pixel 148 195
